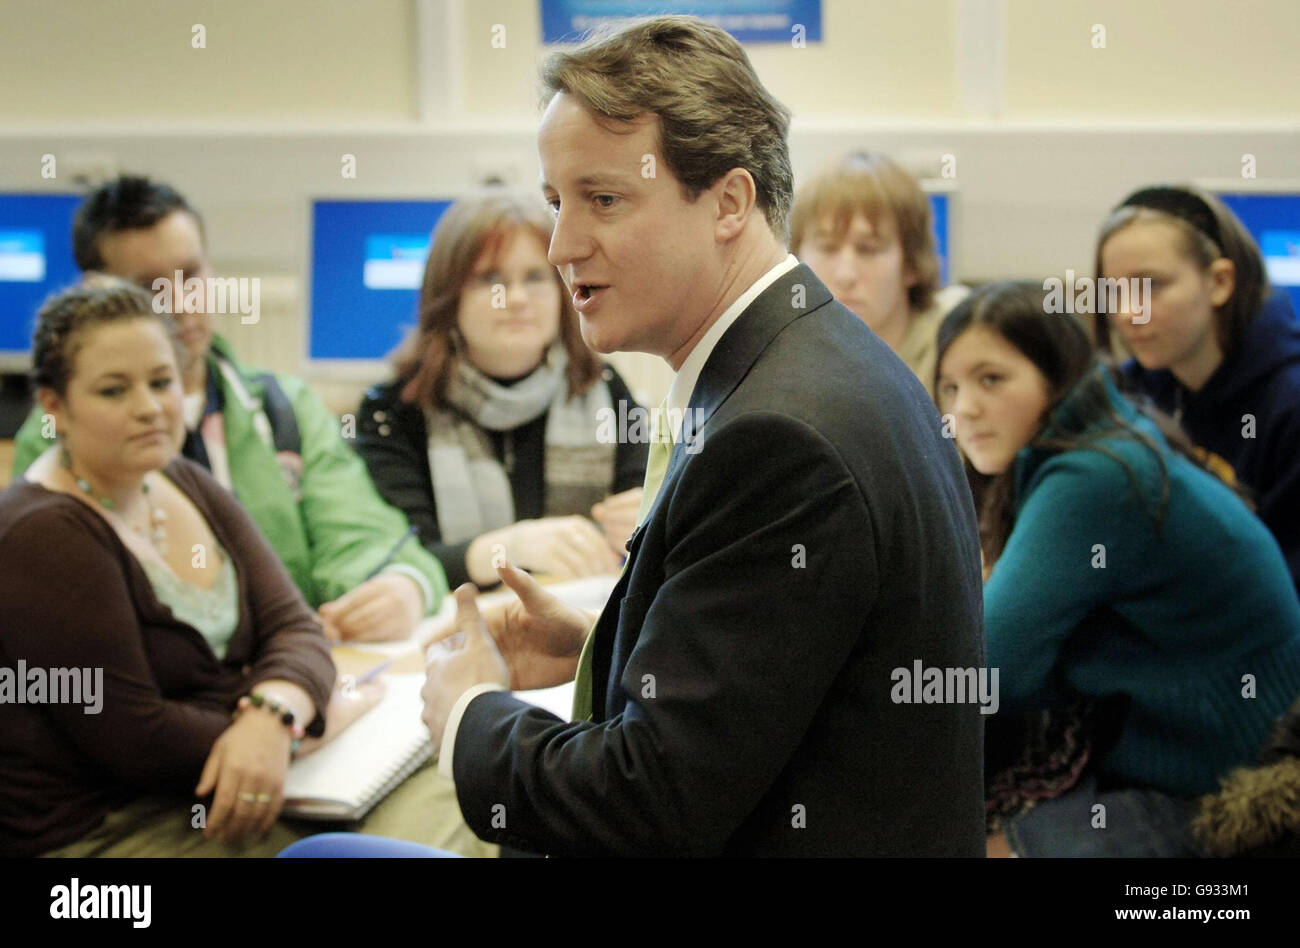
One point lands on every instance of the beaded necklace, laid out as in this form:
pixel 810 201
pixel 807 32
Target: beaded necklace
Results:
pixel 157 533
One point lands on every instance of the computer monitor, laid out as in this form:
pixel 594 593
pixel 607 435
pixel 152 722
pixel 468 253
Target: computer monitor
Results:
pixel 367 261
pixel 366 266
pixel 35 260
pixel 941 196
pixel 1271 212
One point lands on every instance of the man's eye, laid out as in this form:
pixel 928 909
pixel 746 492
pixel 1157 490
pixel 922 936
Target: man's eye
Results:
pixel 606 200
pixel 554 206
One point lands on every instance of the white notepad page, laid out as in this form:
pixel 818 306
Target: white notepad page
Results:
pixel 355 766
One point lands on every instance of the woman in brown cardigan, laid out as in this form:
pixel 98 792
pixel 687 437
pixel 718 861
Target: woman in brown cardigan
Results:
pixel 130 572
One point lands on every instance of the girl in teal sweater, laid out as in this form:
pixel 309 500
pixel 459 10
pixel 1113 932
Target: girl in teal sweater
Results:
pixel 1119 571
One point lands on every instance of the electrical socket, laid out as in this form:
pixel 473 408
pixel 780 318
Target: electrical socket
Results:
pixel 86 169
pixel 510 169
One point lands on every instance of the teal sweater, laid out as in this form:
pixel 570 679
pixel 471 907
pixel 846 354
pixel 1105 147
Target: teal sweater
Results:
pixel 1092 597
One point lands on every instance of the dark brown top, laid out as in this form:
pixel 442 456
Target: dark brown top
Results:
pixel 73 596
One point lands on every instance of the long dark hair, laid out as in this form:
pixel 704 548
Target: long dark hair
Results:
pixel 1060 348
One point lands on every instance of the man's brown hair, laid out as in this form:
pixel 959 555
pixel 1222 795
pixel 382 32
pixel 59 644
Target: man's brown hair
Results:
pixel 714 114
pixel 875 186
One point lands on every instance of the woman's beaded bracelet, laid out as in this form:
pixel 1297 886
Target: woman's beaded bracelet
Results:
pixel 257 700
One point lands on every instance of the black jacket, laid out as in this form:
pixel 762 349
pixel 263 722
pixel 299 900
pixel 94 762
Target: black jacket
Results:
pixel 393 440
pixel 1248 413
pixel 821 537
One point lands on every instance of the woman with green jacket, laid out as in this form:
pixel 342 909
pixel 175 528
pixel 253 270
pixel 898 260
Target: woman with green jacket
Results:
pixel 265 437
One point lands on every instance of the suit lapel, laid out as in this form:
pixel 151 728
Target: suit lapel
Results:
pixel 728 363
pixel 794 294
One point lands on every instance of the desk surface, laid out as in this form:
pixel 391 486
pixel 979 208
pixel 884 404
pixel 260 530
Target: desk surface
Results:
pixel 6 461
pixel 408 657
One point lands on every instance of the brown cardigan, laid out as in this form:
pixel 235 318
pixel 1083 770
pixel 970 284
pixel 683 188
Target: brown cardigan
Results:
pixel 73 596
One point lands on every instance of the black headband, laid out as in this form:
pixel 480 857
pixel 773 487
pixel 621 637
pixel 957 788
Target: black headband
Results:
pixel 1182 204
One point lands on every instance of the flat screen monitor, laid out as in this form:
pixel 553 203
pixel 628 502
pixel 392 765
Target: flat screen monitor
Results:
pixel 35 260
pixel 367 262
pixel 1273 219
pixel 941 210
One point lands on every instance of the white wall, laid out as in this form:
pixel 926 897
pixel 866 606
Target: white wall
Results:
pixel 1047 131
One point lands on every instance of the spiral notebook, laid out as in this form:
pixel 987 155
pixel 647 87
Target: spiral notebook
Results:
pixel 350 775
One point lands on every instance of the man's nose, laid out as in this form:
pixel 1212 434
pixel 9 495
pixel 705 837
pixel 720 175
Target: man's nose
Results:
pixel 568 243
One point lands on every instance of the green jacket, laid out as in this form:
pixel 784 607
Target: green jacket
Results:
pixel 338 530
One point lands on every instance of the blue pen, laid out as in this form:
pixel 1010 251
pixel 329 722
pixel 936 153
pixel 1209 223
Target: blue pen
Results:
pixel 350 683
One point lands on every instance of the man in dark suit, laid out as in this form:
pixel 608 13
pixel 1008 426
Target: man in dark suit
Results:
pixel 806 533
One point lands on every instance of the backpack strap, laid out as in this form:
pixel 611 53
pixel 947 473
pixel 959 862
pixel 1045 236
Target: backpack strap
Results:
pixel 279 412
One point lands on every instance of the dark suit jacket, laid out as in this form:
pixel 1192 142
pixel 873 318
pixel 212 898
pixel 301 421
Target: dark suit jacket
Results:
pixel 821 536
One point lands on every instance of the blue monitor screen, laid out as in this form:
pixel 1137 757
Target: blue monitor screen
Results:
pixel 939 210
pixel 35 260
pixel 367 263
pixel 1274 221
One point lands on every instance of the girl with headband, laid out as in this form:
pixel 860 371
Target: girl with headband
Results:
pixel 1220 350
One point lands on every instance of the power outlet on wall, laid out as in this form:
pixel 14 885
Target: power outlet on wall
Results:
pixel 87 170
pixel 504 168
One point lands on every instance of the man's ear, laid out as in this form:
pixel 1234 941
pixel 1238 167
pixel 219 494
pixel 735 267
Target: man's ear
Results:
pixel 737 197
pixel 1223 280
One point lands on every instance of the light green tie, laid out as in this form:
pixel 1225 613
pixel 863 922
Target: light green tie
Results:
pixel 661 448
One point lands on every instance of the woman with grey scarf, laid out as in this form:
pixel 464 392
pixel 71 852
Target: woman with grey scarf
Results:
pixel 493 436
